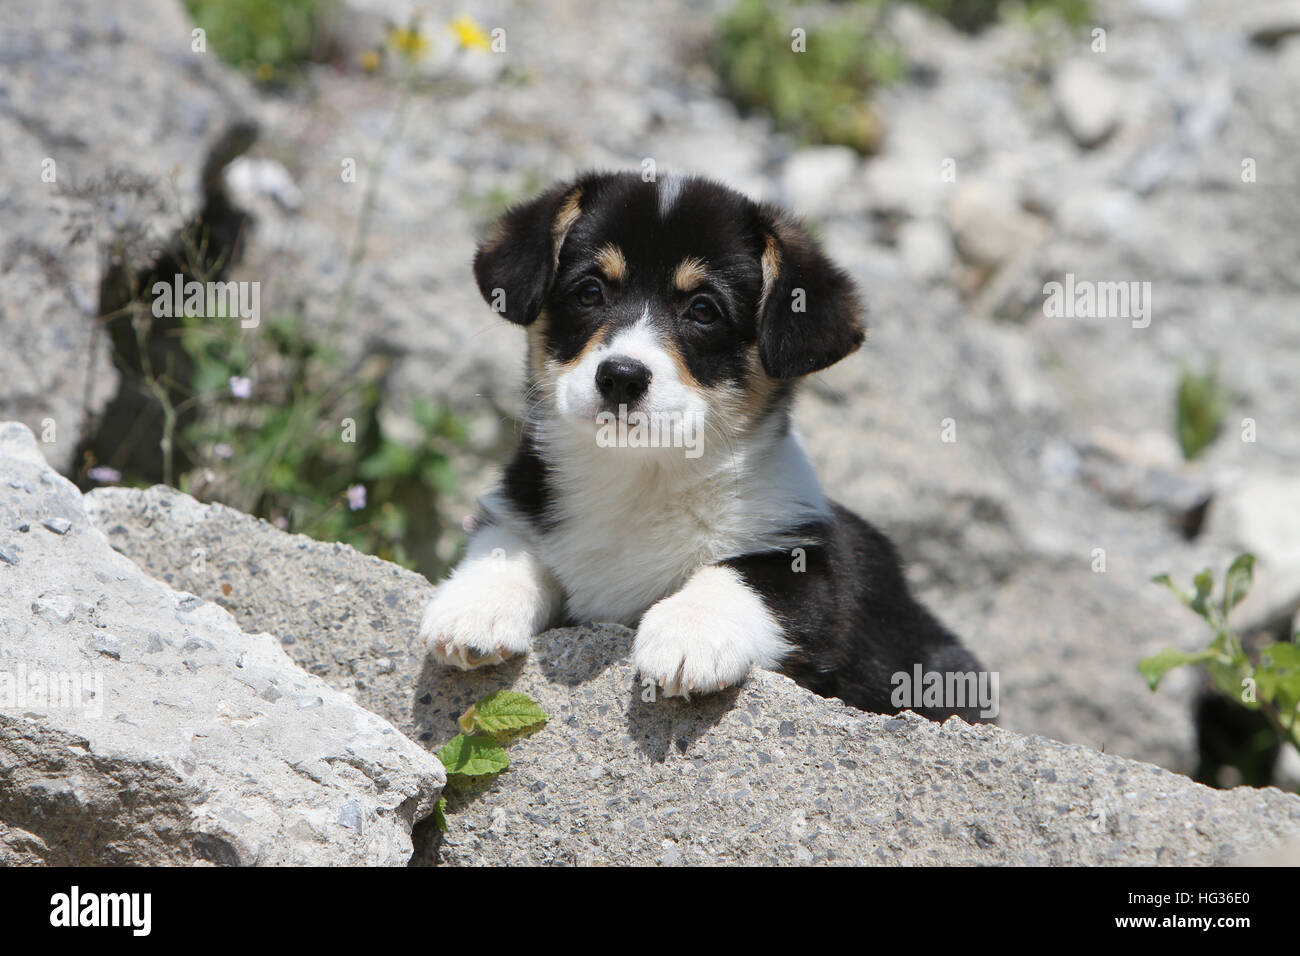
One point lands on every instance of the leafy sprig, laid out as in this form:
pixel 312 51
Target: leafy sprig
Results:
pixel 478 750
pixel 1268 681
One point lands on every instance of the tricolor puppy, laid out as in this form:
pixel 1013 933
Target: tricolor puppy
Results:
pixel 658 482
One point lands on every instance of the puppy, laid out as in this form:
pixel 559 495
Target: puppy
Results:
pixel 658 481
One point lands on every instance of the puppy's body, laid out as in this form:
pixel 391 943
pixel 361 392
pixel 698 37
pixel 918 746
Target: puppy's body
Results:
pixel 691 307
pixel 620 531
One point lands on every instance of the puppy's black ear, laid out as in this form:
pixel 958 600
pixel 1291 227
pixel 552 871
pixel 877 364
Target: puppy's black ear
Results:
pixel 516 265
pixel 810 315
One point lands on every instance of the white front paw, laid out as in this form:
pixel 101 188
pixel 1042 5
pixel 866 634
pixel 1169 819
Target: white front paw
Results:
pixel 689 649
pixel 488 611
pixel 705 637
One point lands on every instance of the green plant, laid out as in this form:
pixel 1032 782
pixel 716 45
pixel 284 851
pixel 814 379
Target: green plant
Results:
pixel 814 67
pixel 307 447
pixel 1267 681
pixel 271 39
pixel 1200 406
pixel 815 85
pixel 479 749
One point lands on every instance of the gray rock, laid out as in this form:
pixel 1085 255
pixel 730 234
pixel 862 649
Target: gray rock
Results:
pixel 1268 24
pixel 79 170
pixel 139 725
pixel 344 616
pixel 772 775
pixel 815 180
pixel 907 185
pixel 1260 515
pixel 1164 9
pixel 1067 640
pixel 988 225
pixel 1088 100
pixel 1147 473
pixel 926 249
pixel 766 773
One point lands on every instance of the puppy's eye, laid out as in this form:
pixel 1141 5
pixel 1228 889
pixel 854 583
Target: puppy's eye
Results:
pixel 703 312
pixel 589 294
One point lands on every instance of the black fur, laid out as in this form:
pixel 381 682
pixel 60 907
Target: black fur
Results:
pixel 519 263
pixel 852 618
pixel 810 316
pixel 527 486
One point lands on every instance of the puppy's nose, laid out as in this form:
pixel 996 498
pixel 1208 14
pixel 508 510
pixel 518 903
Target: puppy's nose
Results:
pixel 622 381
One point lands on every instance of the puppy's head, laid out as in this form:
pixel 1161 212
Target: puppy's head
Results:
pixel 680 300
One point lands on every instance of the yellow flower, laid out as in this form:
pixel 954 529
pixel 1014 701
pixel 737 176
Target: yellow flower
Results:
pixel 371 60
pixel 469 34
pixel 409 42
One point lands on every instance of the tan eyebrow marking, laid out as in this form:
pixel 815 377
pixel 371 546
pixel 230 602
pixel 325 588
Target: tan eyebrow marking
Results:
pixel 690 273
pixel 564 220
pixel 611 262
pixel 771 263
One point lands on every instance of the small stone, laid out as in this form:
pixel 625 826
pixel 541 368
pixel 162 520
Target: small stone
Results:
pixel 55 610
pixel 814 180
pixel 1088 101
pixel 925 248
pixel 1270 24
pixel 350 815
pixel 57 525
pixel 108 645
pixel 988 225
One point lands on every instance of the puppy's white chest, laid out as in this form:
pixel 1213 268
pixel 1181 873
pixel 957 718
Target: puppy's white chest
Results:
pixel 618 555
pixel 623 535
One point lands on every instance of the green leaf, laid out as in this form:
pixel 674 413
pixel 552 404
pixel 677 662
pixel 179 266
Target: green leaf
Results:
pixel 1201 402
pixel 439 475
pixel 504 711
pixel 1204 585
pixel 391 460
pixel 440 814
pixel 473 756
pixel 1227 677
pixel 1278 677
pixel 1241 574
pixel 1284 655
pixel 1155 667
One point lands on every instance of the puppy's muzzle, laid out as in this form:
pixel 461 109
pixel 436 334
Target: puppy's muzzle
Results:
pixel 622 381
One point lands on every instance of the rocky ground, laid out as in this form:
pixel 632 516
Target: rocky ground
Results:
pixel 1010 159
pixel 767 773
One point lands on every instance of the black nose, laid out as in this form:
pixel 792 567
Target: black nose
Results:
pixel 622 381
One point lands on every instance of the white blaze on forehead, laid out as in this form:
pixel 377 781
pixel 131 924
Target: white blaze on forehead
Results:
pixel 669 189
